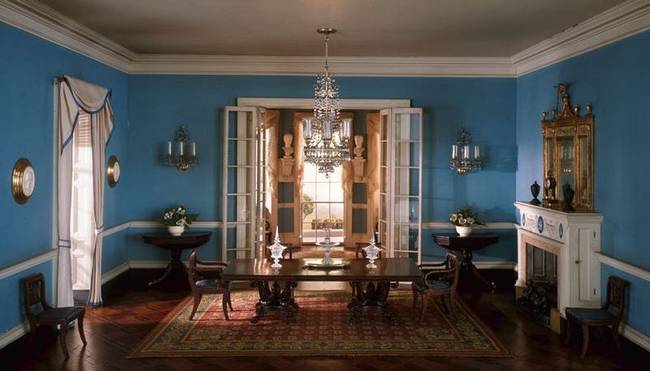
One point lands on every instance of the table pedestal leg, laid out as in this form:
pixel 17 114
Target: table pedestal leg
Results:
pixel 375 294
pixel 275 298
pixel 468 267
pixel 175 265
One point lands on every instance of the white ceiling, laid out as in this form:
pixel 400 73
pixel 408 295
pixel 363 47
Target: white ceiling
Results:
pixel 378 28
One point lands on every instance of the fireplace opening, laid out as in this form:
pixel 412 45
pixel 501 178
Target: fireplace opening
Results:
pixel 539 296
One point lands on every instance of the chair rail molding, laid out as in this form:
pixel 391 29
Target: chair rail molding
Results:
pixel 618 22
pixel 623 266
pixel 28 263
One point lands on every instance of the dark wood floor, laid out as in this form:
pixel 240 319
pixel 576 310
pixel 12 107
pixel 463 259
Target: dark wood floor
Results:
pixel 129 314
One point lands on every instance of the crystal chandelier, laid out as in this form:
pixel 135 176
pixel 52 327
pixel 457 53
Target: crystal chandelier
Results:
pixel 461 160
pixel 326 135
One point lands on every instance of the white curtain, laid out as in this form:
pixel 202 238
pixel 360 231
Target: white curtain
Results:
pixel 76 96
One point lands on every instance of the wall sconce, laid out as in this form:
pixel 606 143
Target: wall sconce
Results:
pixel 462 162
pixel 185 156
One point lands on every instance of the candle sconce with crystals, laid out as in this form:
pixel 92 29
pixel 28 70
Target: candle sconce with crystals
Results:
pixel 463 161
pixel 181 153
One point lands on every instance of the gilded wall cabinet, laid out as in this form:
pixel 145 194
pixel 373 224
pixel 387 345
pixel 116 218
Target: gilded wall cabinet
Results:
pixel 568 154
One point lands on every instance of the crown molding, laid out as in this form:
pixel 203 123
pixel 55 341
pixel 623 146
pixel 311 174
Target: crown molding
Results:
pixel 619 22
pixel 616 23
pixel 302 65
pixel 46 23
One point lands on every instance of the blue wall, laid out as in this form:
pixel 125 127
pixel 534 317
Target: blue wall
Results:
pixel 28 66
pixel 615 79
pixel 486 106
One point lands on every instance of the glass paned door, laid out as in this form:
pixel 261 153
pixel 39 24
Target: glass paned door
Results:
pixel 400 224
pixel 241 177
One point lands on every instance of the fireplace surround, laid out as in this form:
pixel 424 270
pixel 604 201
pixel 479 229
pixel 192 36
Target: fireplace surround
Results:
pixel 572 238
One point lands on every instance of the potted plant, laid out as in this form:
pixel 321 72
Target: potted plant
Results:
pixel 176 219
pixel 465 219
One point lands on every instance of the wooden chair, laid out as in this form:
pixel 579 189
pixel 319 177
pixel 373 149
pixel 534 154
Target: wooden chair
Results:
pixel 609 316
pixel 200 284
pixel 40 313
pixel 438 283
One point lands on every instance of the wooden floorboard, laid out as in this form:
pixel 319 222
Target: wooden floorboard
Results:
pixel 128 315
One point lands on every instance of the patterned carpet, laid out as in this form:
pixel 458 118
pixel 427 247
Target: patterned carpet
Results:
pixel 322 329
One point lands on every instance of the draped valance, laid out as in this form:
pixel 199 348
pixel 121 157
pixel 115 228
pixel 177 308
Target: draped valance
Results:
pixel 76 95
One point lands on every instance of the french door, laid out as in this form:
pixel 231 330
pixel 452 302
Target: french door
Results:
pixel 400 199
pixel 244 182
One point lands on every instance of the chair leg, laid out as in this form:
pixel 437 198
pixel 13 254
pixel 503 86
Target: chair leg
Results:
pixel 585 340
pixel 80 327
pixel 452 302
pixel 567 339
pixel 64 345
pixel 424 306
pixel 415 298
pixel 197 301
pixel 229 301
pixel 224 304
pixel 617 339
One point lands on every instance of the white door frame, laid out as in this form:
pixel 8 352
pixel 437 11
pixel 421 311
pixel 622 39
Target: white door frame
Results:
pixel 308 103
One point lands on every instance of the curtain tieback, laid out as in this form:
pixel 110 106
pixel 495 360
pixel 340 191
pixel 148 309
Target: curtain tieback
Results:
pixel 99 230
pixel 64 243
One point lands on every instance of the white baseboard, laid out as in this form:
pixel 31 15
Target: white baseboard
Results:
pixel 107 276
pixel 13 334
pixel 636 337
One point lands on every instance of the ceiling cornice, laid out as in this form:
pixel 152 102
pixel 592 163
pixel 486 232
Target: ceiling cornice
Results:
pixel 42 21
pixel 342 66
pixel 621 21
pixel 626 19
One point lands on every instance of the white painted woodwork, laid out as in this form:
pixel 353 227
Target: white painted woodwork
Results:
pixel 575 239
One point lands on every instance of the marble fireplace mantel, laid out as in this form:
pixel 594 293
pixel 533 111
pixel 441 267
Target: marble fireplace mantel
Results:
pixel 574 238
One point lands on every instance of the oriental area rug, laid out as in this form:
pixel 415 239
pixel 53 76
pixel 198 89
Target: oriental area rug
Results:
pixel 322 329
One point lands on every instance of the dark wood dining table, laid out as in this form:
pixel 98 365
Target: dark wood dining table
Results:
pixel 371 286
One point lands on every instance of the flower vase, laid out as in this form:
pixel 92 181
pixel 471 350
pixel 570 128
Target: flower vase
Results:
pixel 463 231
pixel 176 230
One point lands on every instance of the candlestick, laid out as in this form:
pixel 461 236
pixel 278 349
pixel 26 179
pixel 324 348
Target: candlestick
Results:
pixel 454 151
pixel 169 148
pixel 466 151
pixel 193 149
pixel 477 152
pixel 181 149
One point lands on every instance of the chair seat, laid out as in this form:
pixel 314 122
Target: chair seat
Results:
pixel 421 286
pixel 590 314
pixel 56 315
pixel 211 284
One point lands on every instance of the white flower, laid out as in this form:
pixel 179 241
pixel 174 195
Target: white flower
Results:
pixel 453 217
pixel 470 221
pixel 462 221
pixel 180 221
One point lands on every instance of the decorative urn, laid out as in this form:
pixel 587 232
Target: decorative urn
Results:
pixel 372 253
pixel 276 251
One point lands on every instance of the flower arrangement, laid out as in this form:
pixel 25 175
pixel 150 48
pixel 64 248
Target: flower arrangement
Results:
pixel 178 216
pixel 465 217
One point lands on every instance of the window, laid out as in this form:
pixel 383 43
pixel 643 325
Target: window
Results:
pixel 322 205
pixel 82 223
